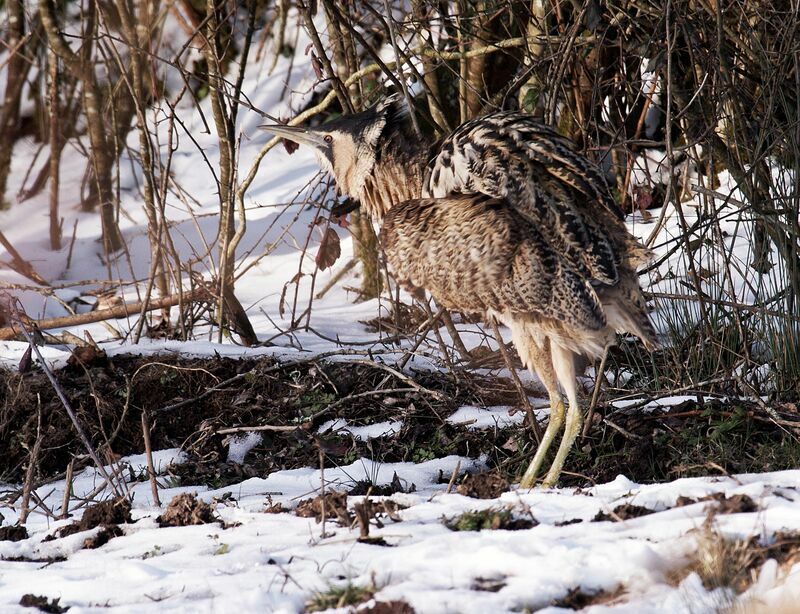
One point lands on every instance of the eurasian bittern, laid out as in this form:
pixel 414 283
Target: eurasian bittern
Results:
pixel 502 217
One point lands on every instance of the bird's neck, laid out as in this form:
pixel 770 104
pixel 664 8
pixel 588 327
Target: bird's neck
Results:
pixel 396 176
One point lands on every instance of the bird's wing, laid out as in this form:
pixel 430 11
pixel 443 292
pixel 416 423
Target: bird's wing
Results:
pixel 537 172
pixel 475 253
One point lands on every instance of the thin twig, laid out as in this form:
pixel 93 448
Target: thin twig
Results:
pixel 67 489
pixel 621 430
pixel 423 331
pixel 262 427
pixel 315 416
pixel 402 377
pixel 65 402
pixel 453 478
pixel 19 264
pixel 148 450
pixel 33 459
pixel 457 342
pixel 322 489
pixel 595 394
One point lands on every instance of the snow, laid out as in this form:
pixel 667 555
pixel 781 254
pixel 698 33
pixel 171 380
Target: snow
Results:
pixel 481 418
pixel 362 433
pixel 654 404
pixel 239 446
pixel 275 562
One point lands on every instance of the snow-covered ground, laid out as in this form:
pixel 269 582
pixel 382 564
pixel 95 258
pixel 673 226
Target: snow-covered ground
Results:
pixel 276 562
pixel 265 562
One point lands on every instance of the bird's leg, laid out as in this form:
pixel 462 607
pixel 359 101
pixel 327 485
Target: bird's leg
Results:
pixel 564 365
pixel 538 359
pixel 553 426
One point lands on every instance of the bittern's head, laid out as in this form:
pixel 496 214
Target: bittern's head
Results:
pixel 349 145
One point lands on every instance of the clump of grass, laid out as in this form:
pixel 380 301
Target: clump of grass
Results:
pixel 733 564
pixel 686 440
pixel 724 562
pixel 340 597
pixel 490 519
pixel 785 605
pixel 716 337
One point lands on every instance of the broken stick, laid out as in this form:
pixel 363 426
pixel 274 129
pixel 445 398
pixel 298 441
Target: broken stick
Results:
pixel 8 333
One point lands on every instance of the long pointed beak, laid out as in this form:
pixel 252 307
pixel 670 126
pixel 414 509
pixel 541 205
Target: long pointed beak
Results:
pixel 296 134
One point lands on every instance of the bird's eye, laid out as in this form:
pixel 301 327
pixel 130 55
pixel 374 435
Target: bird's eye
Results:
pixel 328 138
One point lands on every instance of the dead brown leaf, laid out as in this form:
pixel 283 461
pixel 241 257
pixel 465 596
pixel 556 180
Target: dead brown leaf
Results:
pixel 330 249
pixel 184 510
pixel 335 508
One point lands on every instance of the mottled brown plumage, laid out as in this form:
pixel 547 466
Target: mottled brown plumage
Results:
pixel 503 217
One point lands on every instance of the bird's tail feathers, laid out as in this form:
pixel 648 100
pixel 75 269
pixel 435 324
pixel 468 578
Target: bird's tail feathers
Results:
pixel 626 312
pixel 581 341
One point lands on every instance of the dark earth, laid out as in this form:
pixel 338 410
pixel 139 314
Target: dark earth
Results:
pixel 188 401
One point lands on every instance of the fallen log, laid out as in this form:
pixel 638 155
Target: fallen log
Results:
pixel 9 333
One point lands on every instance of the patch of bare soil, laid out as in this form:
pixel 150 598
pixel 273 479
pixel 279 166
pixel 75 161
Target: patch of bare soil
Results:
pixel 113 511
pixel 735 504
pixel 387 607
pixel 184 510
pixel 102 537
pixel 569 521
pixel 364 487
pixel 49 560
pixel 484 485
pixel 578 599
pixel 724 561
pixel 488 585
pixel 43 604
pixel 106 514
pixel 491 519
pixel 785 549
pixel 13 534
pixel 626 511
pixel 190 401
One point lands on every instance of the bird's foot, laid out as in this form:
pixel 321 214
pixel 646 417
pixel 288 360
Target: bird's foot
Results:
pixel 550 481
pixel 571 431
pixel 556 420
